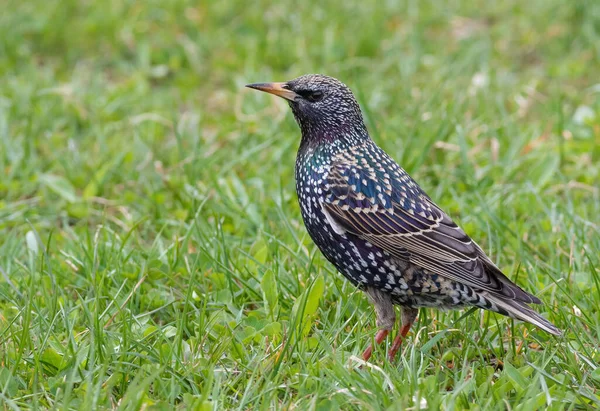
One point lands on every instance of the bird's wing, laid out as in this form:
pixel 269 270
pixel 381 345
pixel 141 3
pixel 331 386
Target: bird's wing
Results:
pixel 370 196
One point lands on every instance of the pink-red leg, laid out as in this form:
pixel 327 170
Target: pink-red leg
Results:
pixel 379 338
pixel 409 316
pixel 398 342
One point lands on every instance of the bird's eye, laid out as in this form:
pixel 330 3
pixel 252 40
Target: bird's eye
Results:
pixel 311 95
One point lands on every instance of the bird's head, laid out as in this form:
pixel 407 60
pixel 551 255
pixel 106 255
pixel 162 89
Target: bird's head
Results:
pixel 324 107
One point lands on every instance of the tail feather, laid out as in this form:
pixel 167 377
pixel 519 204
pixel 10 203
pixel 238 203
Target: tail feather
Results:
pixel 520 311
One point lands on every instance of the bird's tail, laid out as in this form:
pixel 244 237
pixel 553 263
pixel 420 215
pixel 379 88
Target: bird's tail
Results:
pixel 520 311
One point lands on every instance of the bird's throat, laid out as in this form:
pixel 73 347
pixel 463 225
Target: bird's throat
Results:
pixel 331 138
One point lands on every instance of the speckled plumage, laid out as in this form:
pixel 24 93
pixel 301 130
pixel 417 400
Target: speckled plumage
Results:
pixel 376 225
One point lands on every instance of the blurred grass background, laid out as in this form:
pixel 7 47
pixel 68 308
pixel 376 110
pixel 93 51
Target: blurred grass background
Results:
pixel 152 254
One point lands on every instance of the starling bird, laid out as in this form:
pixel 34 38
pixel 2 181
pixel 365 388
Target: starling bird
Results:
pixel 377 226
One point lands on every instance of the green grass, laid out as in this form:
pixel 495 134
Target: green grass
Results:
pixel 152 253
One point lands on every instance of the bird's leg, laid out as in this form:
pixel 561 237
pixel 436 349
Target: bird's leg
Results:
pixel 408 318
pixel 386 317
pixel 379 337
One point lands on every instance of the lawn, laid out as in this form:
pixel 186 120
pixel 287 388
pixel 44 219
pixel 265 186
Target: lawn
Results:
pixel 152 253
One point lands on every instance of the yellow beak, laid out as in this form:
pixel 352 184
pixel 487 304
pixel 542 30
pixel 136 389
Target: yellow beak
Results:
pixel 279 89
